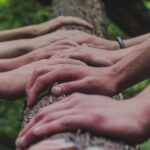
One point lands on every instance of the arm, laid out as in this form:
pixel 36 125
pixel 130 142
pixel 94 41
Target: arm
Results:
pixel 41 53
pixel 134 67
pixel 41 29
pixel 101 43
pixel 136 40
pixel 16 48
pixel 124 120
pixel 93 80
pixel 13 82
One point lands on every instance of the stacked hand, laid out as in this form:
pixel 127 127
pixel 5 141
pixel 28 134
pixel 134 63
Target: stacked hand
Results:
pixel 117 119
pixel 72 78
pixel 16 79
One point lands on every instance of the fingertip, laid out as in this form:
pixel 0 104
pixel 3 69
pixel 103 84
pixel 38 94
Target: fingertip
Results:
pixel 57 90
pixel 37 130
pixel 30 100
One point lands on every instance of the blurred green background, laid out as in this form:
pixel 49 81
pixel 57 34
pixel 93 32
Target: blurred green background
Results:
pixel 16 13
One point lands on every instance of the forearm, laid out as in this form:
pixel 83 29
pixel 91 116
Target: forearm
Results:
pixel 14 63
pixel 15 48
pixel 10 85
pixel 22 32
pixel 41 29
pixel 134 67
pixel 142 99
pixel 136 40
pixel 13 84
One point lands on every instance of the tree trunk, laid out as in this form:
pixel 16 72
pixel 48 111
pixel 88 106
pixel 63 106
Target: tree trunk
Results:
pixel 131 16
pixel 92 11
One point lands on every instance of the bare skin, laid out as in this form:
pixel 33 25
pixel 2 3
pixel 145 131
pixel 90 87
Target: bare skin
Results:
pixel 41 29
pixel 11 49
pixel 58 144
pixel 101 43
pixel 41 53
pixel 72 78
pixel 93 80
pixel 16 79
pixel 124 120
pixel 93 56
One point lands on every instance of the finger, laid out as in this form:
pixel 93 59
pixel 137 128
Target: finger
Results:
pixel 36 73
pixel 49 118
pixel 64 53
pixel 60 125
pixel 62 105
pixel 56 61
pixel 43 82
pixel 31 82
pixel 78 21
pixel 66 42
pixel 53 47
pixel 69 87
pixel 70 122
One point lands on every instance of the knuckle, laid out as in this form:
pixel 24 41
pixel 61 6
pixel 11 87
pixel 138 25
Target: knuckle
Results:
pixel 40 80
pixel 38 72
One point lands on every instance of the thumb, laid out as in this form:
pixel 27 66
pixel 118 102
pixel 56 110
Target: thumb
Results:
pixel 69 88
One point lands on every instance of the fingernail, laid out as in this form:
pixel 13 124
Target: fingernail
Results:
pixel 57 90
pixel 37 130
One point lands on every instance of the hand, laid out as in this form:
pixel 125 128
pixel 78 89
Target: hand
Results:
pixel 14 81
pixel 54 24
pixel 124 120
pixel 42 53
pixel 45 52
pixel 92 41
pixel 83 79
pixel 91 56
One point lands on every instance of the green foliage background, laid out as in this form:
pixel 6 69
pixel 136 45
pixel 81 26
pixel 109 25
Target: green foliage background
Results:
pixel 16 13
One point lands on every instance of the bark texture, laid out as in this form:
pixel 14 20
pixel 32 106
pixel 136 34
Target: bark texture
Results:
pixel 92 11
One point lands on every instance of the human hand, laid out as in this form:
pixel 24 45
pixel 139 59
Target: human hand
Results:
pixel 91 56
pixel 54 24
pixel 123 120
pixel 16 79
pixel 70 79
pixel 92 41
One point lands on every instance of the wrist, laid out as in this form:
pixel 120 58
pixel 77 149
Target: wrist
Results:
pixel 8 64
pixel 117 77
pixel 110 81
pixel 142 114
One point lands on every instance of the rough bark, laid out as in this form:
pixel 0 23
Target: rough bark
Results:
pixel 91 10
